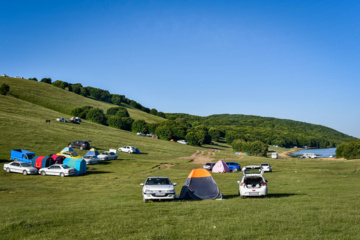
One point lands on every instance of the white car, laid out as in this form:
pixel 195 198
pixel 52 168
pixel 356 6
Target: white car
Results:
pixel 20 167
pixel 253 183
pixel 128 149
pixel 107 155
pixel 141 134
pixel 182 141
pixel 158 188
pixel 91 160
pixel 266 167
pixel 62 120
pixel 61 170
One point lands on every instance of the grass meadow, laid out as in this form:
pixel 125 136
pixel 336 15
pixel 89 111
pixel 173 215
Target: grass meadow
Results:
pixel 308 198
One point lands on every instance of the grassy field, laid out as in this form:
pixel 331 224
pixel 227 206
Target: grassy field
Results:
pixel 308 199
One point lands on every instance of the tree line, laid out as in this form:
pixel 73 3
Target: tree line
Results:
pixel 100 95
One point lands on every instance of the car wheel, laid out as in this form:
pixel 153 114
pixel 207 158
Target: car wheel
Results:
pixel 8 170
pixel 235 170
pixel 43 173
pixel 25 172
pixel 62 174
pixel 145 200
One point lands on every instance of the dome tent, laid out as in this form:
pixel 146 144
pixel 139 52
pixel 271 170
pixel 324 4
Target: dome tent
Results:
pixel 220 167
pixel 200 185
pixel 92 152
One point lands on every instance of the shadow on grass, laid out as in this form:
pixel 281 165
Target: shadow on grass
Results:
pixel 4 160
pixel 273 195
pixel 91 172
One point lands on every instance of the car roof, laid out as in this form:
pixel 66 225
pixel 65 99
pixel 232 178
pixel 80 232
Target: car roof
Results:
pixel 157 177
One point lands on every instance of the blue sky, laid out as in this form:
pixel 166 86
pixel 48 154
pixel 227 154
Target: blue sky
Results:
pixel 296 60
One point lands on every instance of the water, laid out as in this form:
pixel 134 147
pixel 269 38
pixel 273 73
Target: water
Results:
pixel 320 152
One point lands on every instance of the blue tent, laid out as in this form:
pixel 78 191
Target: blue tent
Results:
pixel 92 152
pixel 67 149
pixel 78 164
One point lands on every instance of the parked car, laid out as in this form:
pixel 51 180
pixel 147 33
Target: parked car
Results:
pixel 80 144
pixel 266 167
pixel 128 149
pixel 275 155
pixel 61 170
pixel 158 188
pixel 20 167
pixel 108 155
pixel 69 154
pixel 209 166
pixel 141 134
pixel 150 135
pixel 61 120
pixel 91 159
pixel 233 166
pixel 252 183
pixel 182 141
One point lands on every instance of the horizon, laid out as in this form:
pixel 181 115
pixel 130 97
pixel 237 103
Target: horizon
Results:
pixel 287 60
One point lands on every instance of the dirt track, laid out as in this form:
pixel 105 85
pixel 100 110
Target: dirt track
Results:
pixel 202 157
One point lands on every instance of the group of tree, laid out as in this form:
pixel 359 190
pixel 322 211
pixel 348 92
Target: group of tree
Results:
pixel 272 131
pixel 350 150
pixel 100 95
pixel 256 148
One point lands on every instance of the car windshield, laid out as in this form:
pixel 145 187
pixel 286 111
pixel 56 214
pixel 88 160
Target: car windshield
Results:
pixel 24 164
pixel 65 166
pixel 252 171
pixel 158 181
pixel 264 165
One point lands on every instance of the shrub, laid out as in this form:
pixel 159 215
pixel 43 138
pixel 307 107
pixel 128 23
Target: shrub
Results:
pixel 46 80
pixel 152 127
pixel 153 111
pixel 215 134
pixel 60 84
pixel 76 88
pixel 164 132
pixel 33 79
pixel 194 138
pixel 350 150
pixel 256 148
pixel 81 112
pixel 112 110
pixel 122 112
pixel 4 89
pixel 96 115
pixel 139 126
pixel 123 123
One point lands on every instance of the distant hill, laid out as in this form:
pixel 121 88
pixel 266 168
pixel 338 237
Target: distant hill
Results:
pixel 272 131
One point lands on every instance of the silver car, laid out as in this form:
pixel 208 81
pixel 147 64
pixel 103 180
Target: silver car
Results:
pixel 61 170
pixel 107 155
pixel 158 188
pixel 89 159
pixel 253 183
pixel 128 149
pixel 20 167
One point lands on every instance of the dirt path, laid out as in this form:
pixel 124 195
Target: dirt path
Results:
pixel 203 156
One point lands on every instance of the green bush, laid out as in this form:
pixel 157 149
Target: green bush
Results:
pixel 194 138
pixel 33 79
pixel 123 123
pixel 215 134
pixel 4 89
pixel 96 115
pixel 46 80
pixel 139 126
pixel 255 148
pixel 113 110
pixel 81 112
pixel 60 84
pixel 122 112
pixel 350 150
pixel 164 132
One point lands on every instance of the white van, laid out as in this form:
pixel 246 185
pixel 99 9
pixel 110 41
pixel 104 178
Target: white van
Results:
pixel 275 155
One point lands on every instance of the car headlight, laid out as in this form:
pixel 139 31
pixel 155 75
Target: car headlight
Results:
pixel 149 191
pixel 170 191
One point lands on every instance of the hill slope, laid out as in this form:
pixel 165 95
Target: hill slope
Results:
pixel 62 101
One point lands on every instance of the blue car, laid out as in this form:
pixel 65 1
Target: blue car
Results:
pixel 233 166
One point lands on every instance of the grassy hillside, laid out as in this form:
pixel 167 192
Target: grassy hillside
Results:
pixel 308 199
pixel 60 100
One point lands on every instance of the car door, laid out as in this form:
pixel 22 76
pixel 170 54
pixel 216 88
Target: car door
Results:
pixel 51 170
pixel 16 168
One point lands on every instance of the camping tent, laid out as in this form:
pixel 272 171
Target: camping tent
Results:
pixel 69 149
pixel 58 158
pixel 136 150
pixel 220 167
pixel 78 164
pixel 42 161
pixel 92 152
pixel 200 185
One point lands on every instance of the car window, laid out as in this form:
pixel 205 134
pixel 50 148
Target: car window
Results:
pixel 24 164
pixel 158 181
pixel 16 164
pixel 65 166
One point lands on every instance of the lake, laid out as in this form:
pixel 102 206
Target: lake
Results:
pixel 320 152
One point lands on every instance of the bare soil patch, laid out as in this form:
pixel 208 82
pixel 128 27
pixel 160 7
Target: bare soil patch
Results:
pixel 203 156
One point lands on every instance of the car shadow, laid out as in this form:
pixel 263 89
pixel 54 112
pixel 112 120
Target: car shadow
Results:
pixel 4 160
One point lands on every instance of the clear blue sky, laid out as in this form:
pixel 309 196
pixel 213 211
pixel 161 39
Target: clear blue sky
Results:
pixel 296 60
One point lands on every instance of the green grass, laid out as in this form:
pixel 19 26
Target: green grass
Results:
pixel 308 199
pixel 51 97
